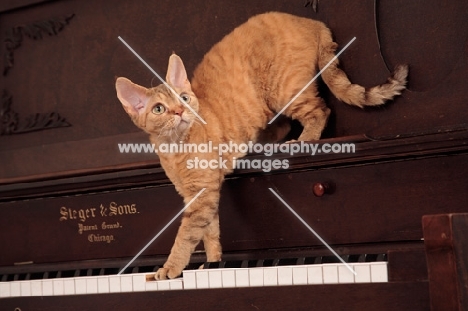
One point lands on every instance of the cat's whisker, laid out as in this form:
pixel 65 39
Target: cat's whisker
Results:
pixel 176 133
pixel 152 81
pixel 162 129
pixel 196 121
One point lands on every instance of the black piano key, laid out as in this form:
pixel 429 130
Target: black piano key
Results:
pixel 381 257
pixel 213 265
pixel 287 262
pixel 309 260
pixel 353 258
pixel 37 276
pixel 371 257
pixel 194 265
pixel 68 273
pixel 98 271
pixel 329 259
pixel 144 269
pixel 254 263
pixel 111 271
pixel 233 264
pixel 268 262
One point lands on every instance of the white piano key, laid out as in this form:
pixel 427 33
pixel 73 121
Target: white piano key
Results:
pixel 36 288
pixel 126 283
pixel 228 278
pixel 103 284
pixel 15 289
pixel 114 284
pixel 362 272
pixel 58 287
pixel 285 275
pixel 5 289
pixel 256 277
pixel 164 285
pixel 138 282
pixel 151 286
pixel 299 275
pixel 80 285
pixel 190 279
pixel 176 284
pixel 215 278
pixel 91 285
pixel 314 274
pixel 69 286
pixel 330 273
pixel 242 277
pixel 202 279
pixel 270 276
pixel 25 288
pixel 47 288
pixel 379 272
pixel 345 275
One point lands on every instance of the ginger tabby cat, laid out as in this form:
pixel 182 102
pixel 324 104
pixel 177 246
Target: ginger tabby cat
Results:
pixel 240 85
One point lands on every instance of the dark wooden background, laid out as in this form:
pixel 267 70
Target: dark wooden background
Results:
pixel 72 72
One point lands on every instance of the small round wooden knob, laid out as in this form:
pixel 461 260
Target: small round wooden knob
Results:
pixel 321 188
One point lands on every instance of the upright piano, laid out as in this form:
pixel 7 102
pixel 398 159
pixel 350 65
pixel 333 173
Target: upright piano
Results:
pixel 75 209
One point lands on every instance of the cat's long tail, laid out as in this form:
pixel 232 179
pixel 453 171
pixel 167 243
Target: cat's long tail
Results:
pixel 355 94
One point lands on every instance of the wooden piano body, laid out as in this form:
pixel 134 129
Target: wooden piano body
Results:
pixel 70 201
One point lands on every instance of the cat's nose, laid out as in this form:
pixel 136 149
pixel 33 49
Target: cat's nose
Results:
pixel 179 111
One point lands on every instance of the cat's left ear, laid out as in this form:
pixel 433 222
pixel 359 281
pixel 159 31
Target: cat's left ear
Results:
pixel 176 74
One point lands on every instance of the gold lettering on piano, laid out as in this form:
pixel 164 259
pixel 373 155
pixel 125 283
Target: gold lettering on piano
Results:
pixel 81 214
pixel 82 228
pixel 105 226
pixel 122 209
pixel 113 209
pixel 100 238
pixel 95 230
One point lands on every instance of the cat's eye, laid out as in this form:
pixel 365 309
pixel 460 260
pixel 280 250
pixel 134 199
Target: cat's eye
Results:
pixel 159 109
pixel 185 98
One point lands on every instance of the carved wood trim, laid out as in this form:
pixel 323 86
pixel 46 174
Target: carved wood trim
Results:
pixel 36 30
pixel 10 121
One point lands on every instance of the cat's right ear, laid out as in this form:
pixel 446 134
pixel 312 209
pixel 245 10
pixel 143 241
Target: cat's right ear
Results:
pixel 132 96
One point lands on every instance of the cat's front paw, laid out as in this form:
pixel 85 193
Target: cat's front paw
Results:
pixel 167 273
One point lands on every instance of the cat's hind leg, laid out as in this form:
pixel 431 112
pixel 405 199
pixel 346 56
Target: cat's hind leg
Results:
pixel 312 113
pixel 211 241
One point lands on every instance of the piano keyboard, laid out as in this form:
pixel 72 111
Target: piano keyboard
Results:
pixel 366 272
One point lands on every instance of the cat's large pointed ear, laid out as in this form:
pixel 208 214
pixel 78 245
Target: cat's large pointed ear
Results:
pixel 176 74
pixel 132 96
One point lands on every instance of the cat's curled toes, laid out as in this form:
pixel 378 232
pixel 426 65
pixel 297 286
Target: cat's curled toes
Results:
pixel 167 273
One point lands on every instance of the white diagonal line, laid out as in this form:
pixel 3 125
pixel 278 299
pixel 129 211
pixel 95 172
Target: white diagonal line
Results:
pixel 160 232
pixel 162 80
pixel 313 231
pixel 311 81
